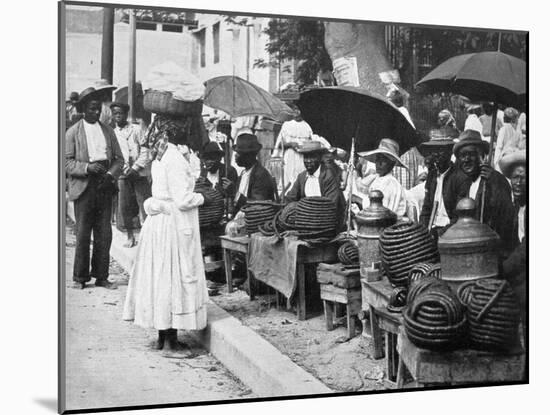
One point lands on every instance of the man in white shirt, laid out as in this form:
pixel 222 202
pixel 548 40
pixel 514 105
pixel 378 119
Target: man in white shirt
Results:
pixel 93 163
pixel 317 180
pixel 134 189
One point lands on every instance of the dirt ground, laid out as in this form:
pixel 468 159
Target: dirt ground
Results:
pixel 342 366
pixel 110 362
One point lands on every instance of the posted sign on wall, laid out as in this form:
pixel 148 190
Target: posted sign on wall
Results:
pixel 345 71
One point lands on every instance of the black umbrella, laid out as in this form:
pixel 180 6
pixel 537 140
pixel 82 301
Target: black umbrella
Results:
pixel 489 76
pixel 341 113
pixel 483 76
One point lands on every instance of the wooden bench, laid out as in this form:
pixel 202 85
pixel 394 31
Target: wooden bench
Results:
pixel 376 295
pixel 458 367
pixel 340 285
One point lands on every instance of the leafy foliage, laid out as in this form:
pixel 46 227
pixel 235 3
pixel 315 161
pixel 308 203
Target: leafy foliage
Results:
pixel 302 40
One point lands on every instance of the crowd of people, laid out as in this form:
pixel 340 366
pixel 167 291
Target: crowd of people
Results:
pixel 151 173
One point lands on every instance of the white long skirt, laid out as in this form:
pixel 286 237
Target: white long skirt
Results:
pixel 167 287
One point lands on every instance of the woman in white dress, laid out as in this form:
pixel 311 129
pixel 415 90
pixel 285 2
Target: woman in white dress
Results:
pixel 293 133
pixel 167 289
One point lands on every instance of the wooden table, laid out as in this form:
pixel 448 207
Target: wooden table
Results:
pixel 210 238
pixel 457 367
pixel 351 297
pixel 390 324
pixel 235 244
pixel 376 295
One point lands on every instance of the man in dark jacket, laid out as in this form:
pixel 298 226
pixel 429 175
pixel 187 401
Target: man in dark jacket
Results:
pixel 93 161
pixel 498 207
pixel 445 184
pixel 255 182
pixel 317 180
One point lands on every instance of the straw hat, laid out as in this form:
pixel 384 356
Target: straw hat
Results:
pixel 387 147
pixel 509 161
pixel 311 147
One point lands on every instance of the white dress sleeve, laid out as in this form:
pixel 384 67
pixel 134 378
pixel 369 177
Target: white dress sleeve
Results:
pixel 180 181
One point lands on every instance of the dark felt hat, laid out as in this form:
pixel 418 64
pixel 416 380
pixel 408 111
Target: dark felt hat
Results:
pixel 247 143
pixel 212 148
pixel 470 138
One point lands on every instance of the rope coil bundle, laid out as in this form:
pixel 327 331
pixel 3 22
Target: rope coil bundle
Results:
pixel 257 213
pixel 348 253
pixel 315 219
pixel 493 314
pixel 212 213
pixel 426 284
pixel 398 300
pixel 424 270
pixel 435 319
pixel 402 246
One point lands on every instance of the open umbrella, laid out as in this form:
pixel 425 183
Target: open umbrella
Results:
pixel 490 76
pixel 239 98
pixel 342 113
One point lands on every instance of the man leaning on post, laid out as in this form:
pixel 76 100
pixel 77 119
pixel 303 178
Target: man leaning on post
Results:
pixel 93 161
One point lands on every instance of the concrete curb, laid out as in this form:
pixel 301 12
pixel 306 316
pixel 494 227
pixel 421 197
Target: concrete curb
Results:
pixel 255 361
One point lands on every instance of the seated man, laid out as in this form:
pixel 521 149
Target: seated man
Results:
pixel 255 182
pixel 498 210
pixel 214 171
pixel 445 184
pixel 317 179
pixel 385 157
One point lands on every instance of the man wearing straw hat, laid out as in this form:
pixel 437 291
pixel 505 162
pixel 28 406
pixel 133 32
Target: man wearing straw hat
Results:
pixel 445 184
pixel 498 210
pixel 385 157
pixel 93 161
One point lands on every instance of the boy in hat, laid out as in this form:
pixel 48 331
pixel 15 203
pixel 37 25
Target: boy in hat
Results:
pixel 445 184
pixel 93 161
pixel 255 182
pixel 385 157
pixel 498 213
pixel 134 186
pixel 214 171
pixel 317 179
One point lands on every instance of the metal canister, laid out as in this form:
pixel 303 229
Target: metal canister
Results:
pixel 371 221
pixel 469 249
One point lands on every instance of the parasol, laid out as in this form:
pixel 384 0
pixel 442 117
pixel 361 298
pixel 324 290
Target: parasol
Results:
pixel 341 113
pixel 239 98
pixel 490 76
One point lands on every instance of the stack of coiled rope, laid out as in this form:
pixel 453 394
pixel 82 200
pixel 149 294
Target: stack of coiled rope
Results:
pixel 257 213
pixel 435 319
pixel 493 313
pixel 348 253
pixel 402 246
pixel 424 270
pixel 211 214
pixel 315 219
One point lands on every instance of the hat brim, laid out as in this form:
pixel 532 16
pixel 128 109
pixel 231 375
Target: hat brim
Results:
pixel 432 144
pixel 310 151
pixel 105 87
pixel 254 149
pixel 509 161
pixel 371 156
pixel 484 145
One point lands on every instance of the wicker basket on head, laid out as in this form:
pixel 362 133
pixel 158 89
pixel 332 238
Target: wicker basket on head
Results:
pixel 162 102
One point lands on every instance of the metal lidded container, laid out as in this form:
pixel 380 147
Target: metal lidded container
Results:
pixel 371 221
pixel 469 249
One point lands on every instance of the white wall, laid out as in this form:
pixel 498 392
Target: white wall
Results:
pixel 233 46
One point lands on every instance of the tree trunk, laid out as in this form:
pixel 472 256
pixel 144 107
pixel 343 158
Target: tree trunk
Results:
pixel 365 41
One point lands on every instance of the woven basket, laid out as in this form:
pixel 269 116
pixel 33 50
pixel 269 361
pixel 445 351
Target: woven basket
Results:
pixel 161 102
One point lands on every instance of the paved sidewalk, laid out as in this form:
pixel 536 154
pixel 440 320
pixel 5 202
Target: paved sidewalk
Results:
pixel 110 361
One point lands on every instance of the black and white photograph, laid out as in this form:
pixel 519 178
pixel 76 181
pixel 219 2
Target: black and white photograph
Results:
pixel 261 206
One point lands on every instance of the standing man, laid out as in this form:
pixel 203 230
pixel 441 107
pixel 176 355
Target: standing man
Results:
pixel 134 187
pixel 445 184
pixel 472 121
pixel 93 161
pixel 514 167
pixel 498 213
pixel 317 180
